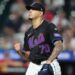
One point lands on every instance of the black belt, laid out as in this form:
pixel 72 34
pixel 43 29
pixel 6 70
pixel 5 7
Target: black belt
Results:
pixel 37 62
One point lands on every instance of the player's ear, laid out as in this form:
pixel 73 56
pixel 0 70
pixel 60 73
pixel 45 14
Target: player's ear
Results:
pixel 41 13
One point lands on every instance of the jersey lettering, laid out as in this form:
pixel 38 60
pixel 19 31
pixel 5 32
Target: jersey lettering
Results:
pixel 36 41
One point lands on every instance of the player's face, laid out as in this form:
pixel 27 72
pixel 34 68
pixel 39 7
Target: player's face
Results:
pixel 33 14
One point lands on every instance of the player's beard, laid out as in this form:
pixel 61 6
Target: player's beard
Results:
pixel 30 18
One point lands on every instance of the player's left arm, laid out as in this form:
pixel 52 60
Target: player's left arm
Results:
pixel 58 47
pixel 57 41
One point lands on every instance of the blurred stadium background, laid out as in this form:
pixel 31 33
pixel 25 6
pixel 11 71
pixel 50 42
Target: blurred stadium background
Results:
pixel 14 23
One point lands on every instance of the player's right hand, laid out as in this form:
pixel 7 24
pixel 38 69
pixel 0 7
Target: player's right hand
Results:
pixel 17 46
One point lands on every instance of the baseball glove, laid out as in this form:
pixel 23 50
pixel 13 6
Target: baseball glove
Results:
pixel 46 70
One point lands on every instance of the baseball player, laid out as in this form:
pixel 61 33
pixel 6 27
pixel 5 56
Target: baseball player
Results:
pixel 42 44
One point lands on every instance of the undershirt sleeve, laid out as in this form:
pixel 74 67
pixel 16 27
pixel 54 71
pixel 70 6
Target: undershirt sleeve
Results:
pixel 25 46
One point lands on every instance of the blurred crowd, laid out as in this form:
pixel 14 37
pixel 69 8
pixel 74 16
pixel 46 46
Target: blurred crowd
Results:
pixel 17 23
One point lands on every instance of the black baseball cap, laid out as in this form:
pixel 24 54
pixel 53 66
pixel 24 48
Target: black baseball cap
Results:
pixel 36 6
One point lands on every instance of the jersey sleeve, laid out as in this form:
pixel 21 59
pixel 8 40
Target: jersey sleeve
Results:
pixel 54 34
pixel 25 46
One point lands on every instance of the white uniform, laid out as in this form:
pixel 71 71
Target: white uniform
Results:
pixel 33 69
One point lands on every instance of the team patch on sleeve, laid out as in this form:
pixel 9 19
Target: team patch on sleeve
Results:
pixel 57 35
